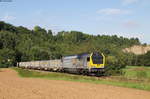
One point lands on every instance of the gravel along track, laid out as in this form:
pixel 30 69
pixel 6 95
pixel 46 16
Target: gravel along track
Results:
pixel 14 87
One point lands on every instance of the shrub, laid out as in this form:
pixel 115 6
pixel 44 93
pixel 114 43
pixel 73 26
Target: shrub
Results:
pixel 141 74
pixel 114 65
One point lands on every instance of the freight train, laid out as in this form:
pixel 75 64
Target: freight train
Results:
pixel 81 64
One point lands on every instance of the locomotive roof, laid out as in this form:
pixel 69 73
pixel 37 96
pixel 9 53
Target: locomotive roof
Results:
pixel 77 56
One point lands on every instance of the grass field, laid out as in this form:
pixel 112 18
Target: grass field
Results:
pixel 135 72
pixel 134 77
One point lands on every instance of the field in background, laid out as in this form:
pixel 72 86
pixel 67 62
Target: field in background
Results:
pixel 137 72
pixel 134 77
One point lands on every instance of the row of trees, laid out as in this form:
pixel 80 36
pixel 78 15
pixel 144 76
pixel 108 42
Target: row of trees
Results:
pixel 21 44
pixel 143 60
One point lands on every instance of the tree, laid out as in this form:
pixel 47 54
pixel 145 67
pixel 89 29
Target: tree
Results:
pixel 7 57
pixel 50 32
pixel 39 29
pixel 8 40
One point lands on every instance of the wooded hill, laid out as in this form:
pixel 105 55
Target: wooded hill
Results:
pixel 22 44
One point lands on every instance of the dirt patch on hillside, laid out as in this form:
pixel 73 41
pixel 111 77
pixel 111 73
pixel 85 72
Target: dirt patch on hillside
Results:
pixel 14 87
pixel 137 49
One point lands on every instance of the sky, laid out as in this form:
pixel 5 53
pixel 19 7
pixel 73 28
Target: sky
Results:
pixel 128 18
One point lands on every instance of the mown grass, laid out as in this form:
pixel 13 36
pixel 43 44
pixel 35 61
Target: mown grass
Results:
pixel 122 81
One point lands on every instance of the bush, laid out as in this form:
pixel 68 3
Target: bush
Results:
pixel 114 65
pixel 6 58
pixel 141 74
pixel 5 65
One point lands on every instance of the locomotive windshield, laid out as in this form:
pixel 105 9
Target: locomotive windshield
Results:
pixel 97 58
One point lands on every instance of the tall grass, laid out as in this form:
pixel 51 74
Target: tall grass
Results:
pixel 79 78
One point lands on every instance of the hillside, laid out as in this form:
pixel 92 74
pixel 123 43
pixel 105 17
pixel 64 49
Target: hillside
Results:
pixel 137 49
pixel 22 44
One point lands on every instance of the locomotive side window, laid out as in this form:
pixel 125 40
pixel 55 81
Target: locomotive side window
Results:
pixel 88 58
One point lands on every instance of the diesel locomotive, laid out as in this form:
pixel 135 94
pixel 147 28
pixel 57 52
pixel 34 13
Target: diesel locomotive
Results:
pixel 81 64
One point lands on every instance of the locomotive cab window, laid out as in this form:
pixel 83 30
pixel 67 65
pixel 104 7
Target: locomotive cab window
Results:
pixel 97 58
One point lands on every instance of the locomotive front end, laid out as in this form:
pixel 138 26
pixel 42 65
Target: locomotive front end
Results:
pixel 96 62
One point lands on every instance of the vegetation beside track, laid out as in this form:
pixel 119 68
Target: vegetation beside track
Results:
pixel 137 72
pixel 132 78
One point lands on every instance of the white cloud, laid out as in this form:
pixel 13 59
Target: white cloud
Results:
pixel 131 24
pixel 39 12
pixel 113 11
pixel 126 2
pixel 7 18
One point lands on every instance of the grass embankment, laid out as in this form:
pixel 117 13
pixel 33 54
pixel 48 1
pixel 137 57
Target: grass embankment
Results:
pixel 124 81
